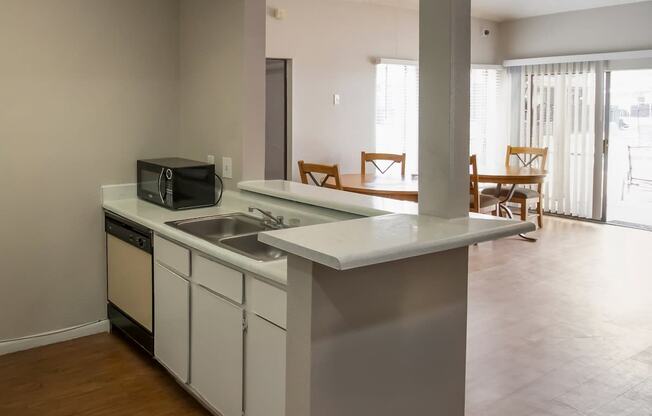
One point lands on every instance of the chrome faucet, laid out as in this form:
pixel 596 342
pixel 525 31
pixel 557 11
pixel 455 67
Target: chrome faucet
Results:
pixel 276 222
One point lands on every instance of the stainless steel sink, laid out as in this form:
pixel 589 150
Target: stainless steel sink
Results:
pixel 235 232
pixel 215 228
pixel 249 246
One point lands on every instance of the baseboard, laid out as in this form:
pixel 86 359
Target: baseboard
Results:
pixel 53 337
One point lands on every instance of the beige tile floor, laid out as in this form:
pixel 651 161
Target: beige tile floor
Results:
pixel 561 327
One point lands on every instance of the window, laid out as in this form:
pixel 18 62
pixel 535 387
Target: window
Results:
pixel 397 113
pixel 487 130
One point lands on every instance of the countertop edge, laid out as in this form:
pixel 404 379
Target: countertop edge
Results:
pixel 367 257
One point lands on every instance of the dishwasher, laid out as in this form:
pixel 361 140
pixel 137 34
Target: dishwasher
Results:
pixel 130 291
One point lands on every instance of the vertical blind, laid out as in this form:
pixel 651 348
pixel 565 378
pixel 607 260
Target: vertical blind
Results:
pixel 397 113
pixel 557 110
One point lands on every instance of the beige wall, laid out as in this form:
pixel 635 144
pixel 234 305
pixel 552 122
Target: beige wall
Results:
pixel 86 88
pixel 607 29
pixel 485 50
pixel 332 44
pixel 222 84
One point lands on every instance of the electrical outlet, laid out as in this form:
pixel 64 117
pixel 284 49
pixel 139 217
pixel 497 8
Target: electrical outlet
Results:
pixel 227 168
pixel 210 159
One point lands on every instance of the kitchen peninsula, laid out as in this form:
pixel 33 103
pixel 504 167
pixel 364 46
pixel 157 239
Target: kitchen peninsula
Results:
pixel 371 302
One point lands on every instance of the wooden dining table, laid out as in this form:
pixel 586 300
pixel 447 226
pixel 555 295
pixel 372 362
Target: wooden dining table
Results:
pixel 406 188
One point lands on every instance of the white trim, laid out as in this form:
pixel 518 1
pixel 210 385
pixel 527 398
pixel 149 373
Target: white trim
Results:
pixel 487 66
pixel 53 337
pixel 591 57
pixel 387 61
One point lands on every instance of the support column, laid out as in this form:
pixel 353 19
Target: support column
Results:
pixel 444 66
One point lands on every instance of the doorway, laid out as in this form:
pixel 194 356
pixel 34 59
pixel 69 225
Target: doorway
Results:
pixel 629 155
pixel 277 120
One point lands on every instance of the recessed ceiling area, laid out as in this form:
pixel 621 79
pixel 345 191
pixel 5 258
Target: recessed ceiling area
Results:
pixel 501 10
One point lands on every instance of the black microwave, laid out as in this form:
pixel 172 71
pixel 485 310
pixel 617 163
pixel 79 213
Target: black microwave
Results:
pixel 176 183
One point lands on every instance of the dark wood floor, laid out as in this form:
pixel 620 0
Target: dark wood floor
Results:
pixel 99 375
pixel 562 327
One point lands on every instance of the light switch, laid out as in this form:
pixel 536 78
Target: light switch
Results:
pixel 210 159
pixel 227 168
pixel 337 100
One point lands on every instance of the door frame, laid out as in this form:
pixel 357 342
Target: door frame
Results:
pixel 605 145
pixel 611 66
pixel 288 114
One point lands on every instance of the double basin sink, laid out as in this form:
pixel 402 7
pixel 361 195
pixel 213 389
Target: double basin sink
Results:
pixel 235 232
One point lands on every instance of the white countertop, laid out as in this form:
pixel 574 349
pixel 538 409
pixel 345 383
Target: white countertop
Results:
pixel 122 200
pixel 364 205
pixel 392 231
pixel 357 243
pixel 154 218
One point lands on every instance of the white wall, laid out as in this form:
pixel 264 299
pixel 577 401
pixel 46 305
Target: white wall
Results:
pixel 332 44
pixel 607 29
pixel 485 50
pixel 87 87
pixel 222 84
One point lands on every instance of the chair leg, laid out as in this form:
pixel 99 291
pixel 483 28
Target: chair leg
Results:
pixel 540 213
pixel 524 210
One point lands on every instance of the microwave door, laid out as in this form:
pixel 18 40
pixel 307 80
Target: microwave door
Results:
pixel 161 194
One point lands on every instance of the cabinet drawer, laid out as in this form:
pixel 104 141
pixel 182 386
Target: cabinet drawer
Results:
pixel 268 302
pixel 218 278
pixel 172 255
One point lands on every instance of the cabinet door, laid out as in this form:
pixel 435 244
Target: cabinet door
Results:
pixel 217 351
pixel 265 368
pixel 172 321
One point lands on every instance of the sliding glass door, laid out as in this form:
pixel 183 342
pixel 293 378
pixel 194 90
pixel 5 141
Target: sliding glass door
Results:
pixel 628 179
pixel 557 111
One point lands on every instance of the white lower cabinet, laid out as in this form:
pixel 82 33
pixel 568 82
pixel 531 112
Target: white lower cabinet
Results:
pixel 217 351
pixel 199 332
pixel 172 321
pixel 264 368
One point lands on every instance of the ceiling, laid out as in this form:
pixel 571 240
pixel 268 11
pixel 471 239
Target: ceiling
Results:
pixel 501 10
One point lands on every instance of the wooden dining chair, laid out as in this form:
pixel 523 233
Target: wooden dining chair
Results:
pixel 534 157
pixel 374 157
pixel 479 202
pixel 308 170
